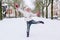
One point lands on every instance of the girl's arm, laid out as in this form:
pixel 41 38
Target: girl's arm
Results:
pixel 20 10
pixel 34 15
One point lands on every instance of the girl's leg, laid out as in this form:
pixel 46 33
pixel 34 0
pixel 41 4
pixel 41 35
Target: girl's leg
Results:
pixel 28 28
pixel 41 22
pixel 29 24
pixel 36 22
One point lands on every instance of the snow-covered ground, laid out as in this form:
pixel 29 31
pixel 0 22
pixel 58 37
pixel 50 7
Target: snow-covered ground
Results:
pixel 15 29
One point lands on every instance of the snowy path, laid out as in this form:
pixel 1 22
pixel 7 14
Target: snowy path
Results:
pixel 15 29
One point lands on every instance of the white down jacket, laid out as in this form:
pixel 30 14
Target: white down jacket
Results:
pixel 28 15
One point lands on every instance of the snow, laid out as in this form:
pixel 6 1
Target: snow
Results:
pixel 15 29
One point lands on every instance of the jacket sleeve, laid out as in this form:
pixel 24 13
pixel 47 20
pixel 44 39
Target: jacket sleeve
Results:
pixel 32 14
pixel 20 10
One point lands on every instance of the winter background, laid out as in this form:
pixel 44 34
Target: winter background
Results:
pixel 15 29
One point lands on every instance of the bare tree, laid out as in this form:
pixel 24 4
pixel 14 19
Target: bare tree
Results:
pixel 38 4
pixel 0 9
pixel 51 9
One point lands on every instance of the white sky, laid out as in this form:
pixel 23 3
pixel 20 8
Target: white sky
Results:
pixel 29 3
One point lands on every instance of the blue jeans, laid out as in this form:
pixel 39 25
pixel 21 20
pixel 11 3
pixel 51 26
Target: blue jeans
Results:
pixel 32 22
pixel 29 24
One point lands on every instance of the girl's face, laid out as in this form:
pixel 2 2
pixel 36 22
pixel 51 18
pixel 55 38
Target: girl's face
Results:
pixel 28 10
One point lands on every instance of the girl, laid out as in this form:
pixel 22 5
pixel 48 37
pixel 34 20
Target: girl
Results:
pixel 28 17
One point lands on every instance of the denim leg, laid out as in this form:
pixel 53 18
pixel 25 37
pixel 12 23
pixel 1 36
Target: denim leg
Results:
pixel 28 28
pixel 36 22
pixel 29 25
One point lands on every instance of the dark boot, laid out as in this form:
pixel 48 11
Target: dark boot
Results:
pixel 27 34
pixel 41 22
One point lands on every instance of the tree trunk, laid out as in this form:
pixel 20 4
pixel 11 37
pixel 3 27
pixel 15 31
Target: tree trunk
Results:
pixel 46 10
pixel 43 11
pixel 51 9
pixel 15 13
pixel 0 9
